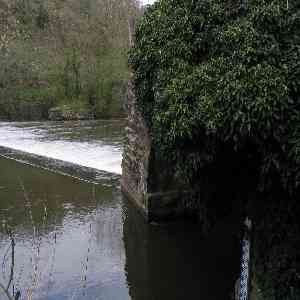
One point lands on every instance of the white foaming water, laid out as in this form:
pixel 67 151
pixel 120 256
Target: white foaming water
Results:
pixel 244 281
pixel 95 154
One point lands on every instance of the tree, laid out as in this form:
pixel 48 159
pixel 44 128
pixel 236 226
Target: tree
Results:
pixel 218 84
pixel 214 74
pixel 54 53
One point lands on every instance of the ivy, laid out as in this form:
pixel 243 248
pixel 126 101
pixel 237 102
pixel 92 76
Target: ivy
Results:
pixel 213 75
pixel 222 72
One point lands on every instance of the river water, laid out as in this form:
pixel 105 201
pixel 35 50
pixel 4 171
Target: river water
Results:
pixel 94 144
pixel 78 238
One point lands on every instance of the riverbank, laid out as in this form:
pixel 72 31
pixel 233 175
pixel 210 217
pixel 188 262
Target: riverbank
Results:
pixel 57 53
pixel 44 111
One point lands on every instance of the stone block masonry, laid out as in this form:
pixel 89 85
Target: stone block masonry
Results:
pixel 147 180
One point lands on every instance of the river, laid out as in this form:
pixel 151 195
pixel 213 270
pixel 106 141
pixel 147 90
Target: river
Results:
pixel 77 237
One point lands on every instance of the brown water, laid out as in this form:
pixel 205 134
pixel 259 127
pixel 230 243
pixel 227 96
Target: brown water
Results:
pixel 78 240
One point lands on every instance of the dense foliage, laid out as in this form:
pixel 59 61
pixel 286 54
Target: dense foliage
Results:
pixel 212 74
pixel 276 244
pixel 55 53
pixel 218 83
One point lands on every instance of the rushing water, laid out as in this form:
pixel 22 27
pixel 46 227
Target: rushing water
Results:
pixel 79 240
pixel 94 144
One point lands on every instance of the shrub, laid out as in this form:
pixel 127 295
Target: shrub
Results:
pixel 210 74
pixel 218 83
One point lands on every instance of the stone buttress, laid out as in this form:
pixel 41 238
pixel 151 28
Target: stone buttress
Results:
pixel 147 180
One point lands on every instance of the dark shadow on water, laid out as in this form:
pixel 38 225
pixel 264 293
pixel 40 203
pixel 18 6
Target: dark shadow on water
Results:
pixel 175 262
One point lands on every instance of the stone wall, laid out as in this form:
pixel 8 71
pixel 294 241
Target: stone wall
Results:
pixel 146 179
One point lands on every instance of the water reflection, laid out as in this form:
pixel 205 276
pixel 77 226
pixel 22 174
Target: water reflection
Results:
pixel 176 262
pixel 74 252
pixel 92 244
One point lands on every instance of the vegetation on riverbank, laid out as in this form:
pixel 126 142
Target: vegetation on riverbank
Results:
pixel 55 53
pixel 218 84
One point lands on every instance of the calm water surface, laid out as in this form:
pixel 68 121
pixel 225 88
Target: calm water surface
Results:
pixel 78 240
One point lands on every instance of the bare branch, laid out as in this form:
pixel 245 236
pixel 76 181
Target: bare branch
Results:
pixel 12 264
